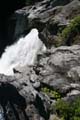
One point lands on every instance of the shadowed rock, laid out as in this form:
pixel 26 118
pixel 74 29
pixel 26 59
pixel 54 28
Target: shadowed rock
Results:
pixel 10 95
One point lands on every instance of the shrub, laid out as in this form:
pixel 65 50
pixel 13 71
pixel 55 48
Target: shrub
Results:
pixel 71 31
pixel 69 35
pixel 62 109
pixel 68 111
pixel 52 93
pixel 76 108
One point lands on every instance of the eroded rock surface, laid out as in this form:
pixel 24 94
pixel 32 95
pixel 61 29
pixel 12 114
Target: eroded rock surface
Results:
pixel 58 70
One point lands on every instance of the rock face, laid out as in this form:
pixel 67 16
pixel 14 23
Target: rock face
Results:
pixel 10 7
pixel 27 104
pixel 57 69
pixel 47 16
pixel 61 67
pixel 30 93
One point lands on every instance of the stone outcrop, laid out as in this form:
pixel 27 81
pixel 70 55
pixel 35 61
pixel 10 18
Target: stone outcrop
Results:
pixel 19 99
pixel 57 69
pixel 47 16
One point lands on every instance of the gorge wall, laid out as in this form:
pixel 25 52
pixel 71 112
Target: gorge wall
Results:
pixel 7 8
pixel 55 75
pixel 9 20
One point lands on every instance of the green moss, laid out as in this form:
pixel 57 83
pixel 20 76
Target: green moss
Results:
pixel 76 107
pixel 51 93
pixel 68 111
pixel 62 108
pixel 76 118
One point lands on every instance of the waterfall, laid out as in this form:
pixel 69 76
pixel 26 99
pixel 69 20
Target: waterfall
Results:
pixel 21 53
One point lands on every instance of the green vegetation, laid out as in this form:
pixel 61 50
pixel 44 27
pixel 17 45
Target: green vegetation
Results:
pixel 68 34
pixel 68 111
pixel 62 109
pixel 72 30
pixel 51 93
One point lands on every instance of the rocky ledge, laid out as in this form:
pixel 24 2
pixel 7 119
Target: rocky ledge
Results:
pixel 31 92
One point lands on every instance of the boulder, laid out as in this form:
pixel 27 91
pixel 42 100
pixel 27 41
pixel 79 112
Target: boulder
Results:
pixel 60 68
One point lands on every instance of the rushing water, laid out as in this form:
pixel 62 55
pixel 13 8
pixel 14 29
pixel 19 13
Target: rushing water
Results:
pixel 23 52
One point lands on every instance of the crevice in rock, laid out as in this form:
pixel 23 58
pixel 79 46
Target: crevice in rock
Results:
pixel 15 111
pixel 9 94
pixel 41 108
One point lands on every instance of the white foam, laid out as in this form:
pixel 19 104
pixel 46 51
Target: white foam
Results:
pixel 22 53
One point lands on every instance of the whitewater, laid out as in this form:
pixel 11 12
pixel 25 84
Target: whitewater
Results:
pixel 23 52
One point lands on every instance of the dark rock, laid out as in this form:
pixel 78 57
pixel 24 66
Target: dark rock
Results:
pixel 10 7
pixel 47 16
pixel 23 104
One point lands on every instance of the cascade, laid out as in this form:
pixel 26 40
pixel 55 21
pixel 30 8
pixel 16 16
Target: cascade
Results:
pixel 21 53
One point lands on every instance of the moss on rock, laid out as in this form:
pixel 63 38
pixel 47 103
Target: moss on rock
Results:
pixel 69 35
pixel 68 111
pixel 51 93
